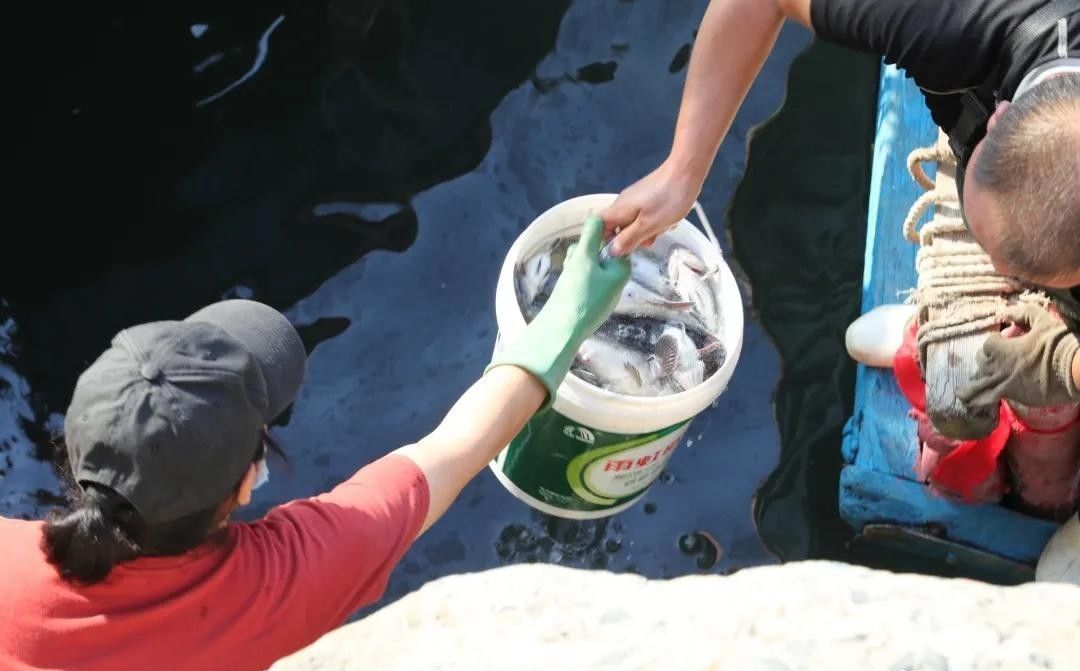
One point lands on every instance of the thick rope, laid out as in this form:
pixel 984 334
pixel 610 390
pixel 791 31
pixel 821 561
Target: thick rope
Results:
pixel 939 153
pixel 959 293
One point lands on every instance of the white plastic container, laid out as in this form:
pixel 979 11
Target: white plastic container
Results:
pixel 595 453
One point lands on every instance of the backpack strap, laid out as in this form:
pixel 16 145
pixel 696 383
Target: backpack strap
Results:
pixel 977 104
pixel 1024 36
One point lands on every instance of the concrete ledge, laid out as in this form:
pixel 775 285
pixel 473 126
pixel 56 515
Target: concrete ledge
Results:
pixel 807 615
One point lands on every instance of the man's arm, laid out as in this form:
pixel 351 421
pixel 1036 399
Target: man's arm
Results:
pixel 483 421
pixel 735 38
pixel 943 44
pixel 732 44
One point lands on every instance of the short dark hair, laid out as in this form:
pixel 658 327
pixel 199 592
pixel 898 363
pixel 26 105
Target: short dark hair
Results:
pixel 1030 162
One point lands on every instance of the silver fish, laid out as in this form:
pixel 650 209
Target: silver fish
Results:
pixel 639 301
pixel 692 345
pixel 638 333
pixel 648 270
pixel 661 338
pixel 530 277
pixel 605 252
pixel 671 364
pixel 695 283
pixel 535 278
pixel 612 367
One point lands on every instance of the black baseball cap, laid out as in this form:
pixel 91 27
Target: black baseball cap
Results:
pixel 171 415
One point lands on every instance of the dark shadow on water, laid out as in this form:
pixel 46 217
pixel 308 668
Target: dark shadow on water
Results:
pixel 149 196
pixel 798 226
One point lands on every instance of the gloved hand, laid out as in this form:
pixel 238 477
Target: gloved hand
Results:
pixel 1034 369
pixel 582 300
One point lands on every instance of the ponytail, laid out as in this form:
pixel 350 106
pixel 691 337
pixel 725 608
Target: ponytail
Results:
pixel 86 541
pixel 100 529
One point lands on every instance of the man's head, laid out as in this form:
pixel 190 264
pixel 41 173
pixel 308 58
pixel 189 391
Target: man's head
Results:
pixel 1022 190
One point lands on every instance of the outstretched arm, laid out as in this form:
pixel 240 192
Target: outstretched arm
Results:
pixel 732 44
pixel 527 372
pixel 483 421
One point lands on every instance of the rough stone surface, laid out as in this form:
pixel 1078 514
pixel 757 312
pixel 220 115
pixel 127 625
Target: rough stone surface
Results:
pixel 809 615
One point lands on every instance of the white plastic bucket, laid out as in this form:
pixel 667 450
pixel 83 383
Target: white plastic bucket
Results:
pixel 595 453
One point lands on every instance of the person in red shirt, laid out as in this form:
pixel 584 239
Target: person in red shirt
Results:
pixel 166 435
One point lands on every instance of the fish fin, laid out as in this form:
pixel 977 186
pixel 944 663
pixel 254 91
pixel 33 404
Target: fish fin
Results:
pixel 586 375
pixel 713 346
pixel 710 273
pixel 634 373
pixel 673 305
pixel 667 354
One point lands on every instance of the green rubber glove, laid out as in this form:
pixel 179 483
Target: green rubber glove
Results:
pixel 583 299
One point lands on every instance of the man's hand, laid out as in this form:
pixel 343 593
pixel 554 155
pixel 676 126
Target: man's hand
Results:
pixel 1035 368
pixel 732 43
pixel 649 207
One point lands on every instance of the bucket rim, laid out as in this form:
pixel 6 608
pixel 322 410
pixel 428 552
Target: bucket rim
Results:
pixel 582 402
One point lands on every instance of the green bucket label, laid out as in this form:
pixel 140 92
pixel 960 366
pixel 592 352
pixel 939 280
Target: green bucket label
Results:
pixel 575 468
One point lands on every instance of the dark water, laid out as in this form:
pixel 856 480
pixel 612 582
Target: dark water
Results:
pixel 369 175
pixel 797 224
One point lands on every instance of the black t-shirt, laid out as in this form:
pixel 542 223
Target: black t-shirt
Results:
pixel 946 46
pixel 949 47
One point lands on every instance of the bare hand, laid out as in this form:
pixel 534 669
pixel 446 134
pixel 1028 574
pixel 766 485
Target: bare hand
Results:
pixel 648 208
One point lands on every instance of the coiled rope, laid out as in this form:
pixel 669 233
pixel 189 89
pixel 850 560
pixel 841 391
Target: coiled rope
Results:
pixel 958 293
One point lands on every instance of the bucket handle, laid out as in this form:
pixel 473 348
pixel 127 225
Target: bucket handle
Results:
pixel 707 227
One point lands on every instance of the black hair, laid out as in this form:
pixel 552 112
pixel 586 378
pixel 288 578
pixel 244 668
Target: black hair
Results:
pixel 1030 162
pixel 99 528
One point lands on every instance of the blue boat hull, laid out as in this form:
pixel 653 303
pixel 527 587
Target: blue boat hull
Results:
pixel 880 495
